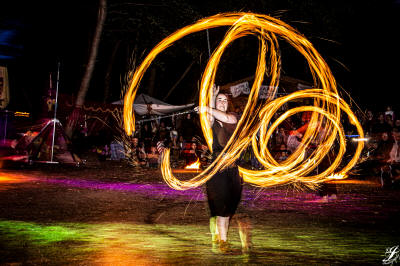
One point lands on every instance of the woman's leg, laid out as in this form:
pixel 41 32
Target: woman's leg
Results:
pixel 245 233
pixel 222 227
pixel 214 230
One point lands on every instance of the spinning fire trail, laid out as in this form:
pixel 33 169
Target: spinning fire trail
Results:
pixel 326 109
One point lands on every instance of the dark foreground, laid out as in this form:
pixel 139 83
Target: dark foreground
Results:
pixel 113 214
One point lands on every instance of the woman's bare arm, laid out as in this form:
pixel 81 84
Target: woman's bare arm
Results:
pixel 217 114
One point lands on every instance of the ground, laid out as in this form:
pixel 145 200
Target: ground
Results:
pixel 110 213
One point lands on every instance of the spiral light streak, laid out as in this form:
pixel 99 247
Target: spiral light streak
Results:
pixel 292 170
pixel 326 111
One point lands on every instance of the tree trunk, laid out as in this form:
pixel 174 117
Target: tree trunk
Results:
pixel 152 82
pixel 80 99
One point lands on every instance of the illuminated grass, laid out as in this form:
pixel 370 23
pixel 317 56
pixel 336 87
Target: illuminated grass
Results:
pixel 171 244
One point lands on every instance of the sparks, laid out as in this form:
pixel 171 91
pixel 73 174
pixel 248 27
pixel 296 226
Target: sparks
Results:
pixel 327 106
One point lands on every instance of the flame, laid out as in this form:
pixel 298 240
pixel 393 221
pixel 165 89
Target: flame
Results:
pixel 195 165
pixel 255 120
pixel 337 176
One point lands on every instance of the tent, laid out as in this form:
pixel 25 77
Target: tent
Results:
pixel 147 105
pixel 41 147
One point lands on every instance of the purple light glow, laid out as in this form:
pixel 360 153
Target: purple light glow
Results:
pixel 161 190
pixel 249 197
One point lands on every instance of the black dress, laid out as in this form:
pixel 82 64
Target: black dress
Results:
pixel 224 189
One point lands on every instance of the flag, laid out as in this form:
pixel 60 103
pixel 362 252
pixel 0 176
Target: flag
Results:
pixel 160 147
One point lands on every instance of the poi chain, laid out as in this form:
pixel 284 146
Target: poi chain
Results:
pixel 326 110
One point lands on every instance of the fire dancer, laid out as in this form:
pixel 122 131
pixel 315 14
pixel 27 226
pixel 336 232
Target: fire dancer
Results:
pixel 224 188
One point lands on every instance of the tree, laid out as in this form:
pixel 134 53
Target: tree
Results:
pixel 107 76
pixel 80 98
pixel 139 27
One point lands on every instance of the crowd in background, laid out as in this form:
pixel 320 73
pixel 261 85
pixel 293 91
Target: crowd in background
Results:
pixel 184 138
pixel 383 146
pixel 180 134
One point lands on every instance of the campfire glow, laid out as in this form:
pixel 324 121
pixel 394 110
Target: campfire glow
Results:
pixel 195 165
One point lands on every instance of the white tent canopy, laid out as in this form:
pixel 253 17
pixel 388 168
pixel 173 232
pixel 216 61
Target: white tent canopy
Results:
pixel 145 104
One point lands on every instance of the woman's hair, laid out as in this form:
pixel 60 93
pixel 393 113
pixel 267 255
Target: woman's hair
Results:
pixel 222 93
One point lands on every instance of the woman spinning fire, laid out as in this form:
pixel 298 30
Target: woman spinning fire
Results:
pixel 224 189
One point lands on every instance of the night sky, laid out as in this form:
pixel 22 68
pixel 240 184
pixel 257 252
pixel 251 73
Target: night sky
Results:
pixel 358 40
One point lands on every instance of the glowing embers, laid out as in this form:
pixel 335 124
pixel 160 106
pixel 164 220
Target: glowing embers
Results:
pixel 328 107
pixel 195 165
pixel 192 168
pixel 337 176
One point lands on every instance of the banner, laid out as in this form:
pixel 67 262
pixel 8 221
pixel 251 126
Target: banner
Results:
pixel 240 88
pixel 244 88
pixel 267 92
pixel 4 89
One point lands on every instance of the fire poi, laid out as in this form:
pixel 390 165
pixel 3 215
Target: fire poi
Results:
pixel 327 107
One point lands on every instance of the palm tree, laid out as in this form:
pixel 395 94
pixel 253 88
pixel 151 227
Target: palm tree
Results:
pixel 80 99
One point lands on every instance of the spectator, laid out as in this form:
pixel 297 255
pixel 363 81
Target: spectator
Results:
pixel 117 150
pixel 381 126
pixel 181 142
pixel 368 122
pixel 397 125
pixel 205 155
pixel 137 152
pixel 390 173
pixel 132 151
pixel 188 128
pixel 153 157
pixel 390 112
pixel 283 154
pixel 141 154
pixel 294 140
pixel 162 131
pixel 181 145
pixel 173 134
pixel 191 155
pixel 306 117
pixel 281 137
pixel 174 145
pixel 381 153
pixel 395 151
pixel 255 164
pixel 146 135
pixel 389 120
pixel 154 130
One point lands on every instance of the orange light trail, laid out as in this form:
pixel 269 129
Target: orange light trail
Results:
pixel 7 179
pixel 326 111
